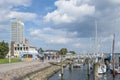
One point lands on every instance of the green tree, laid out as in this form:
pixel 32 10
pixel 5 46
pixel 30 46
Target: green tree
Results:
pixel 41 50
pixel 63 51
pixel 73 52
pixel 4 49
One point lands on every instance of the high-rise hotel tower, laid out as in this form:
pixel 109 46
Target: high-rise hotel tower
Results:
pixel 17 34
pixel 17 31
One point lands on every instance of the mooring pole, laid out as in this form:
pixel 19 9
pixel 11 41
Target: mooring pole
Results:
pixel 61 66
pixel 95 67
pixel 88 70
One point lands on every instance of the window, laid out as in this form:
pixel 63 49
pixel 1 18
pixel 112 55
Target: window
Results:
pixel 15 48
pixel 27 55
pixel 26 48
pixel 20 48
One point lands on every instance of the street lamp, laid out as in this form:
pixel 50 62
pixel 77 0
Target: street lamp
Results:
pixel 9 54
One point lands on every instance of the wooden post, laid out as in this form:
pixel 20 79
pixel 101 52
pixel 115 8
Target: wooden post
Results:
pixel 70 66
pixel 61 66
pixel 88 70
pixel 95 67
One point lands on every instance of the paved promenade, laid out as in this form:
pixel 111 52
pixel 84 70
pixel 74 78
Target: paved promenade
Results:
pixel 11 66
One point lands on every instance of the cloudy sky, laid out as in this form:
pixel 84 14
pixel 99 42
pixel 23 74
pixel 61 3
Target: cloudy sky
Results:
pixel 54 24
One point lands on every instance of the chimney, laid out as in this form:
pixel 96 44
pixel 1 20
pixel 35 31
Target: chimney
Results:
pixel 26 42
pixel 12 48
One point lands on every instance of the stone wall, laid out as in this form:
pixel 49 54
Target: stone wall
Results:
pixel 35 72
pixel 18 74
pixel 44 74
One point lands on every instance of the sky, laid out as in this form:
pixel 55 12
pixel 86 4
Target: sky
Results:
pixel 84 26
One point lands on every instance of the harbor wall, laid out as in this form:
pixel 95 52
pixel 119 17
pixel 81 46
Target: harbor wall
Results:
pixel 44 74
pixel 35 72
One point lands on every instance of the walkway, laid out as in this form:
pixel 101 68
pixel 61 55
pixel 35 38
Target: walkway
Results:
pixel 11 66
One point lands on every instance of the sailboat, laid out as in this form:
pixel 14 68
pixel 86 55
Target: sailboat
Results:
pixel 113 69
pixel 102 67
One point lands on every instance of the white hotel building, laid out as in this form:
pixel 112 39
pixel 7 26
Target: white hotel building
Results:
pixel 17 31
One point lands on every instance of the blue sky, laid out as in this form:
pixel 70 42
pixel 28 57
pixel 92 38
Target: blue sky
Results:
pixel 54 24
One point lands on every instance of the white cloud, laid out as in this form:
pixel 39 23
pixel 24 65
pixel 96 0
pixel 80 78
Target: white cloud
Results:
pixel 8 7
pixel 114 1
pixel 69 11
pixel 20 2
pixel 59 37
pixel 54 36
pixel 58 18
pixel 15 3
pixel 23 15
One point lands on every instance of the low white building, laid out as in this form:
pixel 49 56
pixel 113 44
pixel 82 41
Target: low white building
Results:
pixel 18 48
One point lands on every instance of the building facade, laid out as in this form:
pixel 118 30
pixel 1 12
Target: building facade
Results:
pixel 19 48
pixel 17 31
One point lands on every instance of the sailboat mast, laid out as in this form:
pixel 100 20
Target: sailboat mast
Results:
pixel 96 38
pixel 113 55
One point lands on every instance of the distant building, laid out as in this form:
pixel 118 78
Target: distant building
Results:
pixel 51 54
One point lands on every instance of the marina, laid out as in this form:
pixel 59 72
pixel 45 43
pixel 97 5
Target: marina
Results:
pixel 81 74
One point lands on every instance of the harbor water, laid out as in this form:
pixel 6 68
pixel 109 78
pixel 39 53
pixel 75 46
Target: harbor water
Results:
pixel 81 74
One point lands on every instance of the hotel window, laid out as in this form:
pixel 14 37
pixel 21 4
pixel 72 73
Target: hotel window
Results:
pixel 15 48
pixel 20 48
pixel 26 48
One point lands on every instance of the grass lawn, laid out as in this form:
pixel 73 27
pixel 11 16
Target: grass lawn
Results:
pixel 6 60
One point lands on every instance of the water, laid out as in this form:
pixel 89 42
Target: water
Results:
pixel 80 74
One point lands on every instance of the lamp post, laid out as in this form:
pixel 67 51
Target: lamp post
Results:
pixel 9 56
